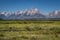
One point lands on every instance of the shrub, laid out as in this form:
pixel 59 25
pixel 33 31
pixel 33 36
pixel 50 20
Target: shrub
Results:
pixel 1 35
pixel 29 28
pixel 55 30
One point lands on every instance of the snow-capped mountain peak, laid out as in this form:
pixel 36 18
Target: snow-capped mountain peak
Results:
pixel 23 14
pixel 32 13
pixel 54 14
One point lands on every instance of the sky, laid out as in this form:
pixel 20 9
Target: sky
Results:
pixel 44 6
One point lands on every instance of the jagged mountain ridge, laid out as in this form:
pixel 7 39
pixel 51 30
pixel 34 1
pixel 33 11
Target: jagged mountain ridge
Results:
pixel 32 13
pixel 54 14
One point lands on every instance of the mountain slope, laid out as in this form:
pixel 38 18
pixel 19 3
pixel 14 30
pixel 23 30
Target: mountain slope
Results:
pixel 32 13
pixel 54 14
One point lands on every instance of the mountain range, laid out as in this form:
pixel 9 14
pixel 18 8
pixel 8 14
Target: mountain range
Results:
pixel 28 14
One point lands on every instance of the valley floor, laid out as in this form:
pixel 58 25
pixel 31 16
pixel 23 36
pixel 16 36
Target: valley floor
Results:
pixel 29 30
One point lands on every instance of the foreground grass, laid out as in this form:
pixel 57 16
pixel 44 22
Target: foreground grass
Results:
pixel 29 30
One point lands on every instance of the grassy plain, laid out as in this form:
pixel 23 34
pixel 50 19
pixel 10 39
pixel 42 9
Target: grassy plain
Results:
pixel 29 30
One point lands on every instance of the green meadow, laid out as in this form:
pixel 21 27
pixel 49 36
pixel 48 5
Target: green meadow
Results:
pixel 29 30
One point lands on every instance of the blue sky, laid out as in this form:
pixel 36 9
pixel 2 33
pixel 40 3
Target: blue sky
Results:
pixel 45 6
